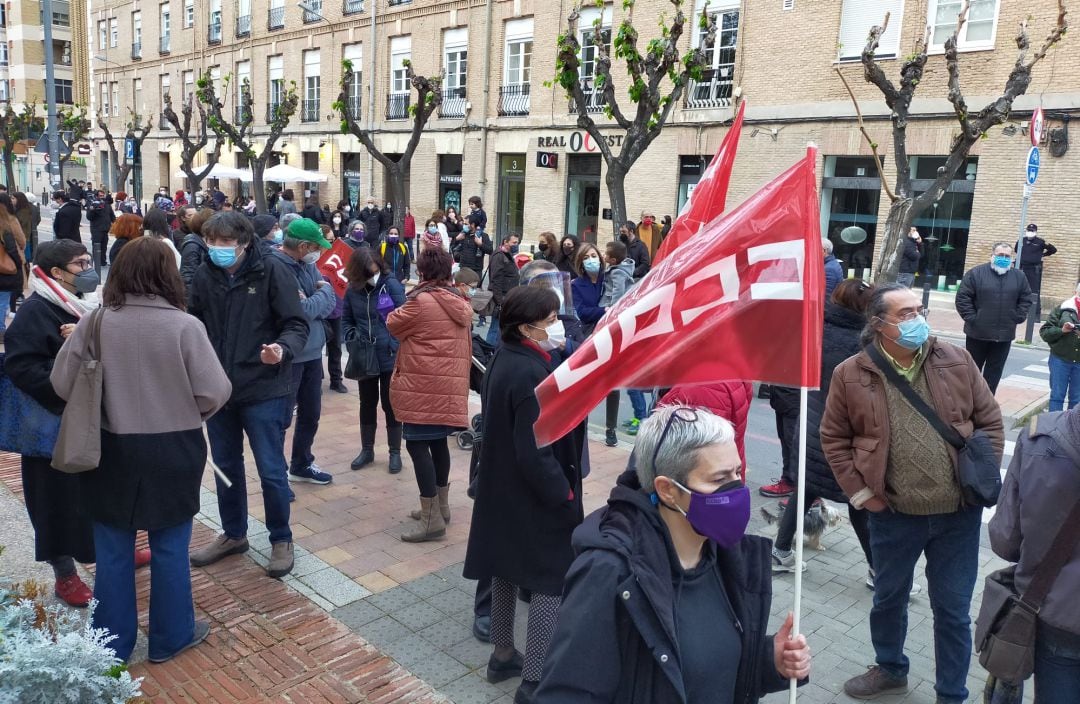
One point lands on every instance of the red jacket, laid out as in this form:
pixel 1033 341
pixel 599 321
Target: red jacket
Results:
pixel 410 227
pixel 728 399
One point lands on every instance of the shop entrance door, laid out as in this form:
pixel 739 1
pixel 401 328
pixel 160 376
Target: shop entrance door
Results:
pixel 583 196
pixel 511 216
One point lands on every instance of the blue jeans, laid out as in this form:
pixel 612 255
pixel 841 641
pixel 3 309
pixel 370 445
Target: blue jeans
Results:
pixel 172 614
pixel 493 337
pixel 264 424
pixel 1057 671
pixel 951 544
pixel 906 280
pixel 1064 377
pixel 5 306
pixel 637 400
pixel 307 395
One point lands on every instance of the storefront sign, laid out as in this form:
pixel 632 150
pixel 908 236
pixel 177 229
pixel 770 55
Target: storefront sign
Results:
pixel 577 142
pixel 547 160
pixel 449 178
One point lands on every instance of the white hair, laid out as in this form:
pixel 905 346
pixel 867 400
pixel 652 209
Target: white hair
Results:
pixel 827 245
pixel 678 454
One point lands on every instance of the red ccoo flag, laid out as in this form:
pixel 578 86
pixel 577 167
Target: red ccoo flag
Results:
pixel 710 194
pixel 743 301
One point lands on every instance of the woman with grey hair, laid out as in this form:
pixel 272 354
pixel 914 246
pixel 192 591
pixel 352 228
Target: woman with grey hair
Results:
pixel 668 599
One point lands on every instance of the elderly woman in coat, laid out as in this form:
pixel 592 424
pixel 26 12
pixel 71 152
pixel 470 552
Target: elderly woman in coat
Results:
pixel 429 389
pixel 528 498
pixel 152 446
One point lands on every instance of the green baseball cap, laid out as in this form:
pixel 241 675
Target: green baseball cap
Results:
pixel 308 231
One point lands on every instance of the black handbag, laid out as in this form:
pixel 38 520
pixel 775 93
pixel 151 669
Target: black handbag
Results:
pixel 978 465
pixel 363 361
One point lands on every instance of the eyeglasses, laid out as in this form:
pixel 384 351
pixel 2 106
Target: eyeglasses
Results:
pixel 683 414
pixel 912 315
pixel 82 264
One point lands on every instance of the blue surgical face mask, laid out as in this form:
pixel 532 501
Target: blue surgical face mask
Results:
pixel 1002 262
pixel 224 256
pixel 913 333
pixel 279 237
pixel 465 229
pixel 592 266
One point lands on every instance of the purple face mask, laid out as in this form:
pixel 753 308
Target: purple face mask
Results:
pixel 722 515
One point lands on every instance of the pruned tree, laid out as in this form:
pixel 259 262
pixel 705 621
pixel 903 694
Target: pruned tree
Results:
pixel 974 125
pixel 428 100
pixel 239 133
pixel 134 129
pixel 194 137
pixel 16 125
pixel 657 79
pixel 72 122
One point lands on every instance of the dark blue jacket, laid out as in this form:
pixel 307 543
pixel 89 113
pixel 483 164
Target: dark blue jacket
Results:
pixel 834 274
pixel 616 641
pixel 361 319
pixel 587 299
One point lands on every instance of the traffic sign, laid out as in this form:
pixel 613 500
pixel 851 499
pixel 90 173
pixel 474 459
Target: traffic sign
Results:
pixel 1038 122
pixel 129 149
pixel 1033 166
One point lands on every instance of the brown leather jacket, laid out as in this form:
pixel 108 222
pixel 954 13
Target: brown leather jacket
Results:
pixel 855 427
pixel 430 385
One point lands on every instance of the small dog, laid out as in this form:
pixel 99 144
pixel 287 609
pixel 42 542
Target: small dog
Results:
pixel 820 517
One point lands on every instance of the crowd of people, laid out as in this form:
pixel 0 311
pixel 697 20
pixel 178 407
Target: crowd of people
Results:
pixel 659 596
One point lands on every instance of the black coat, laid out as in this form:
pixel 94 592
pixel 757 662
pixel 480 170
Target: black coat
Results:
pixel 528 498
pixel 993 304
pixel 372 224
pixel 471 255
pixel 361 318
pixel 909 257
pixel 616 641
pixel 313 212
pixel 1033 250
pixel 502 275
pixel 11 282
pixel 101 219
pixel 193 252
pixel 259 306
pixel 637 251
pixel 31 343
pixel 386 218
pixel 66 222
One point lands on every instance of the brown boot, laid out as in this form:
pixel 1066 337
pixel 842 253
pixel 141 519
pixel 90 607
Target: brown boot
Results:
pixel 444 505
pixel 874 682
pixel 431 526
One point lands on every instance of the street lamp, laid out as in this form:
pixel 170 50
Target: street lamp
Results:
pixel 313 12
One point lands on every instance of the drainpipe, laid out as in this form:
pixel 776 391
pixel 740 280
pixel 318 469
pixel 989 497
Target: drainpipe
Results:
pixel 371 107
pixel 488 10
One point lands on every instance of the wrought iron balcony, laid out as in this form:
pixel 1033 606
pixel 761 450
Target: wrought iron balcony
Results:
pixel 136 50
pixel 243 26
pixel 594 98
pixel 238 116
pixel 271 112
pixel 350 7
pixel 310 111
pixel 397 106
pixel 453 103
pixel 713 91
pixel 213 33
pixel 275 18
pixel 354 106
pixel 514 100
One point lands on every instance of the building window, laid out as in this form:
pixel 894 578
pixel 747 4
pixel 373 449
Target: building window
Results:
pixel 165 81
pixel 61 14
pixel 114 32
pixel 311 86
pixel 63 92
pixel 103 34
pixel 850 193
pixel 243 18
pixel 4 95
pixel 591 39
pixel 517 68
pixel 276 74
pixel 136 94
pixel 450 181
pixel 243 78
pixel 717 80
pixel 62 52
pixel 213 35
pixel 136 35
pixel 3 14
pixel 946 224
pixel 349 7
pixel 189 84
pixel 166 30
pixel 189 14
pixel 455 67
pixel 315 14
pixel 397 107
pixel 276 16
pixel 978 31
pixel 3 54
pixel 103 94
pixel 116 98
pixel 856 19
pixel 355 54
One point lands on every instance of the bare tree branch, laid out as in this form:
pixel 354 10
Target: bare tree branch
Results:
pixel 866 135
pixel 192 146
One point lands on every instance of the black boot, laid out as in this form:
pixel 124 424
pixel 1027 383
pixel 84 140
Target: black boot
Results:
pixel 393 437
pixel 367 447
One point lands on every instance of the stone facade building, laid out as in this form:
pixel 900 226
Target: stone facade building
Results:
pixel 499 122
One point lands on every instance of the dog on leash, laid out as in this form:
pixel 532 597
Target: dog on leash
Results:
pixel 818 519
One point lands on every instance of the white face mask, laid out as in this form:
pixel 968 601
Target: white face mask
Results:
pixel 374 280
pixel 312 257
pixel 556 336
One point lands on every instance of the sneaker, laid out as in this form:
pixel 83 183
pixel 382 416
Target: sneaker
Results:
pixel 500 670
pixel 633 428
pixel 202 629
pixel 223 546
pixel 312 474
pixel 784 562
pixel 73 591
pixel 142 558
pixel 281 560
pixel 875 682
pixel 338 387
pixel 627 423
pixel 781 487
pixel 610 439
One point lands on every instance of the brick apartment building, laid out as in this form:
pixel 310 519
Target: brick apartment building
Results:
pixel 498 114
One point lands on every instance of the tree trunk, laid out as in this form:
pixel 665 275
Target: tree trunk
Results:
pixel 193 181
pixel 258 166
pixel 616 185
pixel 9 170
pixel 398 197
pixel 896 227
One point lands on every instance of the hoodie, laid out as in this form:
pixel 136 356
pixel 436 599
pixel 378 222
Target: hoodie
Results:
pixel 617 638
pixel 617 281
pixel 317 301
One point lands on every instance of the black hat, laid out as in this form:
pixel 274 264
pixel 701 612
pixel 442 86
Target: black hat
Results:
pixel 1032 227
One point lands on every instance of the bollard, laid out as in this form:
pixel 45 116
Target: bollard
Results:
pixel 1032 318
pixel 97 257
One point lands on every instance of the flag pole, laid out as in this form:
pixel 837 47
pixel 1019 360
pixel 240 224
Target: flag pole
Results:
pixel 800 503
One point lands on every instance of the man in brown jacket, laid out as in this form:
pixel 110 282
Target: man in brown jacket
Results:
pixel 889 459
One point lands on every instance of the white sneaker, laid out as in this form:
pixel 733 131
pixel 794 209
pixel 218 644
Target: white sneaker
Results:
pixel 784 562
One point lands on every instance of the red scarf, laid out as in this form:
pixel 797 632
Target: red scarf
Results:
pixel 528 342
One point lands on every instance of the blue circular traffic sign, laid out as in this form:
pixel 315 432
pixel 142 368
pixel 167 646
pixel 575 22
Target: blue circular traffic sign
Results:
pixel 1032 171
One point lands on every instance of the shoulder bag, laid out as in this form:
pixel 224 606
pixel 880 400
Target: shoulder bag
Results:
pixel 27 429
pixel 482 300
pixel 363 362
pixel 1006 627
pixel 78 444
pixel 978 466
pixel 8 266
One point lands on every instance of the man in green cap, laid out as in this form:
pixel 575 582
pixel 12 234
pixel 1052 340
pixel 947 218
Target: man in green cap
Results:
pixel 303 245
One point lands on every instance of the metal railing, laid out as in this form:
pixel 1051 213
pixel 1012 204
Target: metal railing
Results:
pixel 238 114
pixel 399 2
pixel 310 111
pixel 136 50
pixel 243 25
pixel 349 7
pixel 397 106
pixel 271 112
pixel 353 104
pixel 310 17
pixel 453 103
pixel 275 18
pixel 514 100
pixel 594 98
pixel 213 33
pixel 713 91
pixel 163 44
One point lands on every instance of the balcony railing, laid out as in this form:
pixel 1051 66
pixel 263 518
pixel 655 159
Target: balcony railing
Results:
pixel 514 100
pixel 350 7
pixel 399 2
pixel 713 91
pixel 354 106
pixel 238 116
pixel 243 25
pixel 594 98
pixel 310 17
pixel 453 103
pixel 136 50
pixel 163 44
pixel 310 111
pixel 213 33
pixel 397 106
pixel 271 112
pixel 275 18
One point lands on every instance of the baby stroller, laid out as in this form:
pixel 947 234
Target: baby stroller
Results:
pixel 482 354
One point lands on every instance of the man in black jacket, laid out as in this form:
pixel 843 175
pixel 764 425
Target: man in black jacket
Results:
pixel 1032 251
pixel 370 216
pixel 249 303
pixel 101 217
pixel 635 249
pixel 469 247
pixel 503 277
pixel 909 258
pixel 993 299
pixel 67 219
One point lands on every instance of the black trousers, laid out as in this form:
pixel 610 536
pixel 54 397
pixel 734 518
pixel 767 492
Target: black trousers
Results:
pixel 1034 277
pixel 787 425
pixel 990 358
pixel 101 239
pixel 371 391
pixel 333 348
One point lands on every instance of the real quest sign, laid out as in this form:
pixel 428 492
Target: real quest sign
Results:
pixel 577 142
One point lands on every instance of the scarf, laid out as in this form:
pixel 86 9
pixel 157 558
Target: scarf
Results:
pixel 61 297
pixel 430 240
